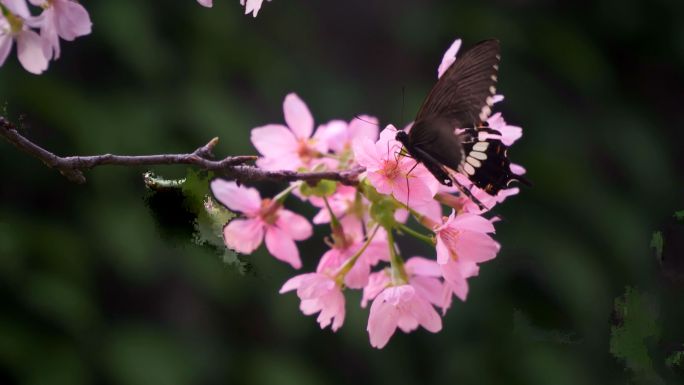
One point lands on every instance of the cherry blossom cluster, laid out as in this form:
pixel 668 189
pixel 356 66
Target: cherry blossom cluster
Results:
pixel 58 19
pixel 364 221
pixel 251 6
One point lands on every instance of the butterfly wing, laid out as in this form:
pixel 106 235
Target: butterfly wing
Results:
pixel 437 138
pixel 464 94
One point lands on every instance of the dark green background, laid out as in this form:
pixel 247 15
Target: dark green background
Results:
pixel 92 292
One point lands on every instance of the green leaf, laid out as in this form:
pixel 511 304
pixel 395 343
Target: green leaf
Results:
pixel 323 188
pixel 679 215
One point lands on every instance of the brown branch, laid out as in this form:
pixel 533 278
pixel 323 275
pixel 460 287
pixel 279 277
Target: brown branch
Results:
pixel 231 167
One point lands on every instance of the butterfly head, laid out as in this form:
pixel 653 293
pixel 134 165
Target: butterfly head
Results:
pixel 402 137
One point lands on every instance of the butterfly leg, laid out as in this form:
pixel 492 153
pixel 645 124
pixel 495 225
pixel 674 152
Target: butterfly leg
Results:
pixel 466 192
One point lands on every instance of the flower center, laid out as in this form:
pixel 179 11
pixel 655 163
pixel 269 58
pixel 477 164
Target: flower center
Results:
pixel 16 23
pixel 450 237
pixel 306 152
pixel 269 211
pixel 390 168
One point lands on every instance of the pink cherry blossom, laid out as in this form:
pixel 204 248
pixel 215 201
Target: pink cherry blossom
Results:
pixel 449 58
pixel 319 293
pixel 64 19
pixel 206 3
pixel 342 203
pixel 423 275
pixel 343 250
pixel 465 238
pixel 340 135
pixel 289 147
pixel 462 243
pixel 264 219
pixel 402 307
pixel 32 50
pixel 391 173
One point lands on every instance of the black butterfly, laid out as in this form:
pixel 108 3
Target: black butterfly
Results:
pixel 462 99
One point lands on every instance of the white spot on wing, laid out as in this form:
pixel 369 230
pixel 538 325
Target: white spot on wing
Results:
pixel 478 155
pixel 492 90
pixel 484 114
pixel 474 162
pixel 468 169
pixel 481 146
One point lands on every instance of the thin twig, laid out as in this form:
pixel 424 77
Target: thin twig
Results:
pixel 231 167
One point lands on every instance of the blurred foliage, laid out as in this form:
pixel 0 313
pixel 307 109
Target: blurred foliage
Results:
pixel 95 291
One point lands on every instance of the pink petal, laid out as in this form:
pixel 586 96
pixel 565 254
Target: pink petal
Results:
pixel 297 115
pixel 31 50
pixel 206 3
pixel 72 20
pixel 335 134
pixel 449 58
pixel 288 161
pixel 366 154
pixel 443 254
pixel 515 168
pixel 425 314
pixel 363 126
pixel 281 246
pixel 274 140
pixel 472 222
pixel 423 266
pixel 382 322
pixel 253 7
pixel 295 225
pixel 236 198
pixel 476 247
pixel 5 47
pixel 429 288
pixel 17 7
pixel 294 282
pixel 243 235
pixel 456 280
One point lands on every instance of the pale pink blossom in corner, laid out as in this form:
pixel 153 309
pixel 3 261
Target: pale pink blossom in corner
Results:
pixel 263 220
pixel 206 3
pixel 449 58
pixel 252 6
pixel 289 147
pixel 402 307
pixel 319 293
pixel 66 19
pixel 32 50
pixel 390 173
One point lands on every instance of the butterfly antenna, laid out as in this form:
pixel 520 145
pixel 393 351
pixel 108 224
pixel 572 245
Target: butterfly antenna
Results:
pixel 367 121
pixel 408 186
pixel 466 191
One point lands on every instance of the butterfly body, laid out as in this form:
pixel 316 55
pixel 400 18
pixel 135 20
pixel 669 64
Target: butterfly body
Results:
pixel 446 136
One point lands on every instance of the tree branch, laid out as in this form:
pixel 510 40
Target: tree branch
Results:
pixel 231 167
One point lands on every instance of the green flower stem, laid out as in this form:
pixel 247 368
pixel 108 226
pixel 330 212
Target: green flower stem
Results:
pixel 425 238
pixel 399 276
pixel 335 224
pixel 344 269
pixel 280 198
